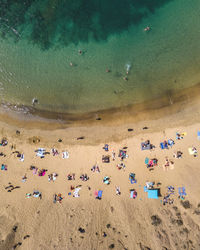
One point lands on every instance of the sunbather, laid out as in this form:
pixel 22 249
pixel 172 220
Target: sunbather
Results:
pixel 105 158
pixel 84 177
pixel 117 190
pixel 177 154
pixel 71 177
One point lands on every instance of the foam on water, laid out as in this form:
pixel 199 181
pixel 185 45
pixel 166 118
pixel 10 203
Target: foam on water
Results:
pixel 35 60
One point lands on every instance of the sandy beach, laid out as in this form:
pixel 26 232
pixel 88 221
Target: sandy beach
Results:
pixel 114 221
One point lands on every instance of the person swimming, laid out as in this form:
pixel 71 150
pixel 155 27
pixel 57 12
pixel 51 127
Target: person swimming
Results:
pixel 128 67
pixel 147 28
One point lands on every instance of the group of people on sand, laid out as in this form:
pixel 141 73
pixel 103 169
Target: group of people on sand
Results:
pixel 122 156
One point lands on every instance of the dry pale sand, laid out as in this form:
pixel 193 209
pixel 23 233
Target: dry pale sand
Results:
pixel 132 224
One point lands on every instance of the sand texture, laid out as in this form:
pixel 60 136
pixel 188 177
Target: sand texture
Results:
pixel 80 223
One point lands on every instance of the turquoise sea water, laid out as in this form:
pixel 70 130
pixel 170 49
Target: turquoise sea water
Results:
pixel 39 40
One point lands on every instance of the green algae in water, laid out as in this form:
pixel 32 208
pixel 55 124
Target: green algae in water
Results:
pixel 40 39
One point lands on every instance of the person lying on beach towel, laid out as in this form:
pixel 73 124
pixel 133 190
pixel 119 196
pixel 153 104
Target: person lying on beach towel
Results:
pixel 4 167
pixel 4 142
pixel 106 158
pixel 180 136
pixel 177 154
pixel 133 193
pixel 24 178
pixel 169 164
pixel 95 168
pixel 54 152
pixel 192 151
pixel 118 192
pixel 42 172
pixel 106 180
pixel 122 154
pixel 65 155
pixel 164 145
pixel 57 198
pixel 84 177
pixel 40 152
pixel 71 177
pixel 132 178
pixel 98 194
pixel 52 177
pixel 121 166
pixel 76 192
pixel 106 147
pixel 37 194
pixel 147 145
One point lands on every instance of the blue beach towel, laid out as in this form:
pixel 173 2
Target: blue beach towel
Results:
pixel 152 194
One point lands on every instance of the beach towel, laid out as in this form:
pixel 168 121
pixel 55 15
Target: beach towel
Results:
pixel 145 146
pixel 162 145
pixel 152 193
pixel 146 161
pixel 36 194
pixel 65 155
pixel 181 191
pixel 96 193
pixel 100 192
pixel 76 192
pixel 22 157
pixel 170 142
pixel 133 194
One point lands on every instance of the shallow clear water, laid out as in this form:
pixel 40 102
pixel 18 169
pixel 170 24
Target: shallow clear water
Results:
pixel 39 39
